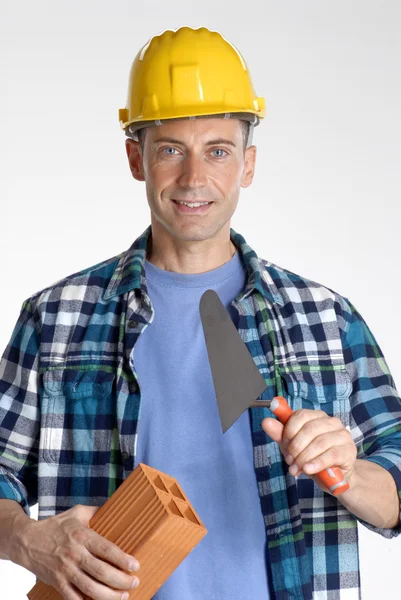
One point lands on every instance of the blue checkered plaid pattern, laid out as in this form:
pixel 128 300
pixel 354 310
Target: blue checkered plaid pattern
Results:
pixel 70 404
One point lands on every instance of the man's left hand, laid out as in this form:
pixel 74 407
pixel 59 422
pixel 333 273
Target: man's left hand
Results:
pixel 311 441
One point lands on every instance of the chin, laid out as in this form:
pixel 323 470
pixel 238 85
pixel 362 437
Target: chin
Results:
pixel 191 232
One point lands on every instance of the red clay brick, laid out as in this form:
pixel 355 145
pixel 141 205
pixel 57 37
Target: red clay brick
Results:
pixel 149 517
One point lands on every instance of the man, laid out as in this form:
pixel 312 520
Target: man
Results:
pixel 108 367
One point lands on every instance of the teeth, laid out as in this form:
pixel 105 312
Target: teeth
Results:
pixel 192 204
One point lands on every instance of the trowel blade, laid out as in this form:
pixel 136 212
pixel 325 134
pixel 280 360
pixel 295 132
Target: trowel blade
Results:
pixel 237 380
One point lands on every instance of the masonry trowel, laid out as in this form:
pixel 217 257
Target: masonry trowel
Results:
pixel 237 380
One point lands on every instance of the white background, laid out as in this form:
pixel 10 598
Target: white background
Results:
pixel 325 202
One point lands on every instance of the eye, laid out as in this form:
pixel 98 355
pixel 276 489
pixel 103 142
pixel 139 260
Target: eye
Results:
pixel 169 150
pixel 219 153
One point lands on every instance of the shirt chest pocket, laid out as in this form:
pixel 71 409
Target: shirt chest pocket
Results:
pixel 78 416
pixel 324 389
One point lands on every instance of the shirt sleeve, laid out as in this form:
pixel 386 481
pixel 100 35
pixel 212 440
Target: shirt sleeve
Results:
pixel 375 403
pixel 19 412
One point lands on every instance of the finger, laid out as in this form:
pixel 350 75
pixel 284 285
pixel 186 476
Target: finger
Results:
pixel 298 420
pixel 92 588
pixel 69 592
pixel 108 574
pixel 273 428
pixel 310 430
pixel 324 442
pixel 338 456
pixel 341 455
pixel 80 511
pixel 99 546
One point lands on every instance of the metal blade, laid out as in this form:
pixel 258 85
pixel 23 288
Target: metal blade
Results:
pixel 237 380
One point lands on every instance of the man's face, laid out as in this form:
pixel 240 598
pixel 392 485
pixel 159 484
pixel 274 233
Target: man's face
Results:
pixel 194 161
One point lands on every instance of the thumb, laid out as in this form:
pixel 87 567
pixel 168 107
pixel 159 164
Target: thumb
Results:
pixel 84 513
pixel 273 428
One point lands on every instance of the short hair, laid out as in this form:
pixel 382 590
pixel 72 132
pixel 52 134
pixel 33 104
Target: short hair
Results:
pixel 245 127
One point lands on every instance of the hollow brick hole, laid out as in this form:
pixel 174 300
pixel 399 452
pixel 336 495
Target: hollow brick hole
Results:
pixel 174 509
pixel 175 490
pixel 190 515
pixel 160 484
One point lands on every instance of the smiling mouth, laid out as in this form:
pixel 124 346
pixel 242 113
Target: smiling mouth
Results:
pixel 191 204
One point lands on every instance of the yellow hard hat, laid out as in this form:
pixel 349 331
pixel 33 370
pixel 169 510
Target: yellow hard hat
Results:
pixel 189 73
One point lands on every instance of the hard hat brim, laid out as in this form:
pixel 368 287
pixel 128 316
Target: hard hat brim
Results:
pixel 132 126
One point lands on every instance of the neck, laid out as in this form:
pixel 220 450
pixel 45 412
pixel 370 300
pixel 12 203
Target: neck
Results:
pixel 189 256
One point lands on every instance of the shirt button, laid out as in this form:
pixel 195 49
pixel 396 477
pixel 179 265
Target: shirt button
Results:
pixel 124 456
pixel 132 324
pixel 133 387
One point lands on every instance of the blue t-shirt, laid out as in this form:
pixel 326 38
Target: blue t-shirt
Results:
pixel 180 434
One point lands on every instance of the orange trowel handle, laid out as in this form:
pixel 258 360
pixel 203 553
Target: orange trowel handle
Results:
pixel 333 478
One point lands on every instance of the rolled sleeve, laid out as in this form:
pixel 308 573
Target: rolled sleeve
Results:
pixel 375 403
pixel 19 412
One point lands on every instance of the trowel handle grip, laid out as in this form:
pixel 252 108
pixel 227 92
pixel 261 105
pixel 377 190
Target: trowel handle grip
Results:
pixel 279 406
pixel 333 478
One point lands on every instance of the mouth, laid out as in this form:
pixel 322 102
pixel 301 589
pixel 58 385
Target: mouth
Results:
pixel 192 207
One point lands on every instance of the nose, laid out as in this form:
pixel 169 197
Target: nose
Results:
pixel 192 175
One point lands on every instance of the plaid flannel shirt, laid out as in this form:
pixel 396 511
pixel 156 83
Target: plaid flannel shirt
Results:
pixel 70 404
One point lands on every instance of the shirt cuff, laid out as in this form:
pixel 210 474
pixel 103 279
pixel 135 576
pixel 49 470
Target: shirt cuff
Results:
pixel 11 489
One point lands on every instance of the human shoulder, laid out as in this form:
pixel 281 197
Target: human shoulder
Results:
pixel 302 294
pixel 89 282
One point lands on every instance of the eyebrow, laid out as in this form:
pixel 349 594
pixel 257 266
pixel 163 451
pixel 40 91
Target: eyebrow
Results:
pixel 215 142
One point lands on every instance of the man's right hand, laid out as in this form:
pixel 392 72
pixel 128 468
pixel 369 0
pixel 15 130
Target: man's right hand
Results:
pixel 64 552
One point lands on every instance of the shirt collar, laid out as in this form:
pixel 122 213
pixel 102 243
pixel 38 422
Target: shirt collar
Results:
pixel 129 273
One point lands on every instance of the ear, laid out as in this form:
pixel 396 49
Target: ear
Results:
pixel 249 169
pixel 134 153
